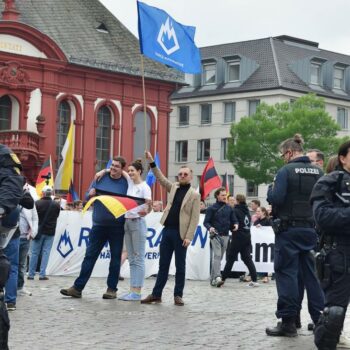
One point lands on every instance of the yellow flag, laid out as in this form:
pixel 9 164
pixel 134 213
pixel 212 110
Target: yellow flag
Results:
pixel 65 171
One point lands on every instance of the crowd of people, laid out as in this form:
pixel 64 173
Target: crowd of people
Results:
pixel 290 212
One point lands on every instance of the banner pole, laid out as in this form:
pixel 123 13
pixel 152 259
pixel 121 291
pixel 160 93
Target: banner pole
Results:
pixel 144 101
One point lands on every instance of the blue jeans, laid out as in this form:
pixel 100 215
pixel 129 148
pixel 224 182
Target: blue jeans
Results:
pixel 42 245
pixel 22 266
pixel 12 253
pixel 98 237
pixel 171 242
pixel 135 240
pixel 292 257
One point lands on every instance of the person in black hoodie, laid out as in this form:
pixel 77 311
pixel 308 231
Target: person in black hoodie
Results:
pixel 263 218
pixel 241 242
pixel 219 220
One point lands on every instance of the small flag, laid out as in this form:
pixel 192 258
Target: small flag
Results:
pixel 151 178
pixel 109 163
pixel 210 179
pixel 117 205
pixel 72 195
pixel 167 41
pixel 65 171
pixel 45 177
pixel 225 184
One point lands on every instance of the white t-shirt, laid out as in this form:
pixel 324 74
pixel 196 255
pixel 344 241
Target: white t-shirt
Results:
pixel 141 190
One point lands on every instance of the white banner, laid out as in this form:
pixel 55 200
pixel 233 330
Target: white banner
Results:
pixel 73 230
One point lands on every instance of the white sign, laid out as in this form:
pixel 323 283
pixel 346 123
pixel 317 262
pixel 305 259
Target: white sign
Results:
pixel 72 234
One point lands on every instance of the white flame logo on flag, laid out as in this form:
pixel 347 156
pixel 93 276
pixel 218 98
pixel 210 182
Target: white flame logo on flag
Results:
pixel 167 34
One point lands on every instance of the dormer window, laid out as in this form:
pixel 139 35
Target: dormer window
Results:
pixel 315 73
pixel 338 78
pixel 233 70
pixel 102 28
pixel 209 73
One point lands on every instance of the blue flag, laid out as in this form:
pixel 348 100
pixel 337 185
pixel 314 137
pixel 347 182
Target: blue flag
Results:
pixel 167 41
pixel 151 179
pixel 109 163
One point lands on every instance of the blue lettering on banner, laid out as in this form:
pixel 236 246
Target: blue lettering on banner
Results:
pixel 199 234
pixel 153 235
pixel 84 236
pixel 152 255
pixel 64 246
pixel 105 254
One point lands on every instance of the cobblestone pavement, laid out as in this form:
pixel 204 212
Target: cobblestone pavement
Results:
pixel 231 317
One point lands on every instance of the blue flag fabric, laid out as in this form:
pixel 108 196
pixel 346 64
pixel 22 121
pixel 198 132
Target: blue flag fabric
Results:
pixel 109 163
pixel 167 41
pixel 151 179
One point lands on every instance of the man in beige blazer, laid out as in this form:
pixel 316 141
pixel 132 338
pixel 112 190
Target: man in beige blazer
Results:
pixel 180 219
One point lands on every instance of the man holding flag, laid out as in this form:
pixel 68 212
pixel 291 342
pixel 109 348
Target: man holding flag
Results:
pixel 105 228
pixel 180 219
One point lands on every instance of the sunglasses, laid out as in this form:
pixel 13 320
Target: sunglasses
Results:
pixel 283 154
pixel 183 174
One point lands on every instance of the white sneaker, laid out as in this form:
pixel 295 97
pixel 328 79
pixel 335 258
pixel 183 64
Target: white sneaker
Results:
pixel 344 342
pixel 253 284
pixel 219 282
pixel 23 292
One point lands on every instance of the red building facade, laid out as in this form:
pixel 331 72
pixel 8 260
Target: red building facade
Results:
pixel 42 91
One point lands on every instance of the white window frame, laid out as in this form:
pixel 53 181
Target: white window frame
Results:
pixel 210 111
pixel 188 115
pixel 340 79
pixel 231 64
pixel 344 123
pixel 206 70
pixel 255 191
pixel 224 148
pixel 317 66
pixel 250 103
pixel 233 116
pixel 201 150
pixel 179 147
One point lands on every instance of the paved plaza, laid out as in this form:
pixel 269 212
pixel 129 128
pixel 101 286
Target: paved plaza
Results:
pixel 232 317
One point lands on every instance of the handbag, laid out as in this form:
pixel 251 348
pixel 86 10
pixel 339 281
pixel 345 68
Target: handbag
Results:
pixel 39 234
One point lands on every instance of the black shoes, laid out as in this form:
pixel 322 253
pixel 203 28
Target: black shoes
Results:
pixel 283 329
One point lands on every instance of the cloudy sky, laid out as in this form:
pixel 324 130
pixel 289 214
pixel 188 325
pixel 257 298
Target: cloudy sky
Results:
pixel 225 21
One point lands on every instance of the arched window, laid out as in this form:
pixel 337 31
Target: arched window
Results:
pixel 103 137
pixel 139 135
pixel 63 123
pixel 5 113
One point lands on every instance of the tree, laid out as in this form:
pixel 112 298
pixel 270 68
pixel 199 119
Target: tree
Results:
pixel 253 148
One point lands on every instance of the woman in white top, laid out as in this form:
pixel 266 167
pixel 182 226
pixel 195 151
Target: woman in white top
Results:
pixel 135 229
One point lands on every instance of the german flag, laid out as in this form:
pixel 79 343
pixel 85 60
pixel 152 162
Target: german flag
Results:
pixel 117 205
pixel 45 177
pixel 210 180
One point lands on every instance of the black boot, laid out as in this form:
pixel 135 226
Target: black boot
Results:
pixel 286 328
pixel 298 321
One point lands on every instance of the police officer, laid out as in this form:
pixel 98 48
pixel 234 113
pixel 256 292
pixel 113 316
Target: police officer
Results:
pixel 295 235
pixel 331 208
pixel 11 190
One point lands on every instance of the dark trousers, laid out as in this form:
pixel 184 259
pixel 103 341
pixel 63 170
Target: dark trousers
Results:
pixel 292 257
pixel 171 242
pixel 337 291
pixel 98 237
pixel 240 245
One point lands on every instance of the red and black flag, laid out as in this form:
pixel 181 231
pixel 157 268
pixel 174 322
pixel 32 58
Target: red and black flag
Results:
pixel 117 205
pixel 45 177
pixel 210 179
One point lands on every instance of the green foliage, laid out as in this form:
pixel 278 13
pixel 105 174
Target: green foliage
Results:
pixel 253 148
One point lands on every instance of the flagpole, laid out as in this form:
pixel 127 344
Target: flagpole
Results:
pixel 144 100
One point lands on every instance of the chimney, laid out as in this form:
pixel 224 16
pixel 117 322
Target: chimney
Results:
pixel 10 12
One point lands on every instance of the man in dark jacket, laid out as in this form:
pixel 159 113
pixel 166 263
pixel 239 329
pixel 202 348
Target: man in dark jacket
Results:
pixel 241 242
pixel 219 220
pixel 48 212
